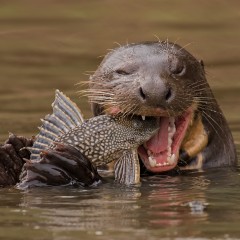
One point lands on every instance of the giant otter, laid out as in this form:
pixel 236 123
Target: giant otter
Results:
pixel 164 80
pixel 159 79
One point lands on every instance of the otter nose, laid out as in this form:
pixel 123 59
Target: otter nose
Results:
pixel 155 94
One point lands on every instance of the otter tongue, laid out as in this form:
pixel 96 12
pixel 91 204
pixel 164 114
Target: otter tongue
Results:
pixel 159 142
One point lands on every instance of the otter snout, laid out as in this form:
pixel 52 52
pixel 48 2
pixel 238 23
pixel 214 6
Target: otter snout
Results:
pixel 155 93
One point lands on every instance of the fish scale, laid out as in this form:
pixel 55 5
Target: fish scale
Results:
pixel 101 139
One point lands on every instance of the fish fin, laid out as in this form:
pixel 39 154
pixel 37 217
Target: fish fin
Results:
pixel 70 108
pixel 66 116
pixel 127 168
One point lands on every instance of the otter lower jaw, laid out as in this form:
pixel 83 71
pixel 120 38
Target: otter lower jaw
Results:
pixel 161 152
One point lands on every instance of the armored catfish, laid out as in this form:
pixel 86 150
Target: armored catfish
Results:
pixel 100 139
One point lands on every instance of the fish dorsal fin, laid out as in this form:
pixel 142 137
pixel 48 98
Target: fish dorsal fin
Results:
pixel 127 168
pixel 69 108
pixel 66 116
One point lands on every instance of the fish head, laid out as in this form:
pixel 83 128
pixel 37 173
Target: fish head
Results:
pixel 135 130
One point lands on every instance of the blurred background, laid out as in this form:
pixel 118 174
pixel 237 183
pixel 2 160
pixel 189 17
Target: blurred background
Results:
pixel 47 45
pixel 55 44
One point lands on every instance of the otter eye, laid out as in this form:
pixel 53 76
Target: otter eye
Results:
pixel 122 72
pixel 179 70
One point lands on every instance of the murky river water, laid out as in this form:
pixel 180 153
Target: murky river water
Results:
pixel 46 45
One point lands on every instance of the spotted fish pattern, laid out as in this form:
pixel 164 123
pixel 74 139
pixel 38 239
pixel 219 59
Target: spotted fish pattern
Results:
pixel 101 139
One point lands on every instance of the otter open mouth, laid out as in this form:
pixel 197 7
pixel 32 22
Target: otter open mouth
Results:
pixel 161 152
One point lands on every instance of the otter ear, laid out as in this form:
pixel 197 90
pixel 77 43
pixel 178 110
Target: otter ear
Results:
pixel 96 109
pixel 202 64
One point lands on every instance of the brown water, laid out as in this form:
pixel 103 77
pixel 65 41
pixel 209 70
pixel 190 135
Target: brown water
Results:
pixel 45 45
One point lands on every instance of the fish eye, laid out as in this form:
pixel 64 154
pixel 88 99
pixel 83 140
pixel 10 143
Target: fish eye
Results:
pixel 135 124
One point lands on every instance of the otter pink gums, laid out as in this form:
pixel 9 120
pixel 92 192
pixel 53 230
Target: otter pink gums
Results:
pixel 163 80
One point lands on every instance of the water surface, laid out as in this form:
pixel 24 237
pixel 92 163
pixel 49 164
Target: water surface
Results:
pixel 45 45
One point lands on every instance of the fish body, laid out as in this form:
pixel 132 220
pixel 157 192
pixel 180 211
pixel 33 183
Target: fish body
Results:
pixel 104 138
pixel 101 139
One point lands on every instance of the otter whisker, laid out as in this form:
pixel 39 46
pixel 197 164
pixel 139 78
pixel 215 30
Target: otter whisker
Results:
pixel 197 85
pixel 204 99
pixel 158 39
pixel 100 97
pixel 201 95
pixel 197 90
pixel 208 109
pixel 82 83
pixel 97 92
pixel 119 45
pixel 184 47
pixel 204 102
pixel 213 123
pixel 97 95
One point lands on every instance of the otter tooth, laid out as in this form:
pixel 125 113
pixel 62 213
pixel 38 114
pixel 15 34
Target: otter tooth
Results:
pixel 152 161
pixel 143 118
pixel 171 121
pixel 171 127
pixel 171 160
pixel 169 142
pixel 169 150
pixel 149 152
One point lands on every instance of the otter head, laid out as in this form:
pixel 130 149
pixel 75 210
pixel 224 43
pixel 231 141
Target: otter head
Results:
pixel 158 79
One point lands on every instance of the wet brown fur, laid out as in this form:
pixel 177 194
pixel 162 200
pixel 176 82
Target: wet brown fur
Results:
pixel 115 81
